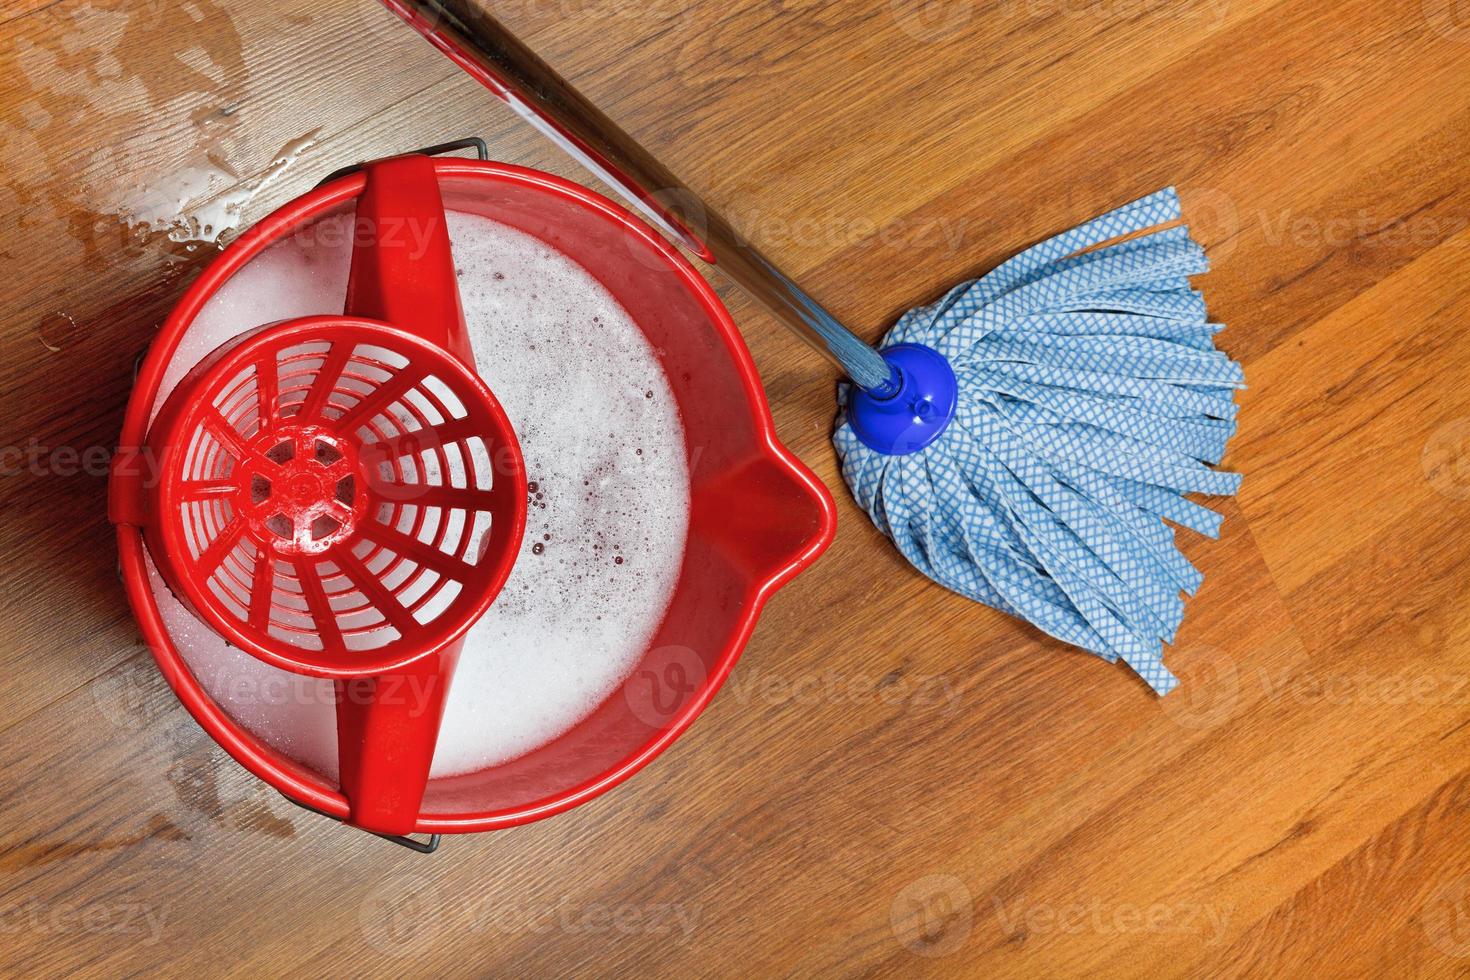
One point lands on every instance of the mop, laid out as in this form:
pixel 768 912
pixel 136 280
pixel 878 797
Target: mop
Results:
pixel 1024 439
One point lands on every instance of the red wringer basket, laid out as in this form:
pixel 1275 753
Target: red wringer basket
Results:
pixel 343 497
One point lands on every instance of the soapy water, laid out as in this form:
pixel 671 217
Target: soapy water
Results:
pixel 607 507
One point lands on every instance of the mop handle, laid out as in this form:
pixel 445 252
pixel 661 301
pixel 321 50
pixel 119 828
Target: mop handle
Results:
pixel 497 59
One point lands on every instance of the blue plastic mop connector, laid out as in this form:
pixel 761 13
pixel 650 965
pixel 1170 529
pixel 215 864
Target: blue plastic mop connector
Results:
pixel 918 413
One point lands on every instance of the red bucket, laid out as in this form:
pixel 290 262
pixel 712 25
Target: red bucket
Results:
pixel 757 515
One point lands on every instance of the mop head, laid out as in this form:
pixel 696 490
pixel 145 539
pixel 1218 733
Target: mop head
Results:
pixel 1091 400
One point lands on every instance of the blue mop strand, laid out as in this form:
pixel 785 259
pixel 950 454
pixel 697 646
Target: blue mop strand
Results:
pixel 1088 400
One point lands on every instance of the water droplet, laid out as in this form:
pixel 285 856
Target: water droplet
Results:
pixel 58 330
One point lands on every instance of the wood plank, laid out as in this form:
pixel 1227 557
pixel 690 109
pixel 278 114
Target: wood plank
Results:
pixel 895 780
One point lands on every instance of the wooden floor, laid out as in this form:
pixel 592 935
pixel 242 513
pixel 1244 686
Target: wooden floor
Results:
pixel 896 781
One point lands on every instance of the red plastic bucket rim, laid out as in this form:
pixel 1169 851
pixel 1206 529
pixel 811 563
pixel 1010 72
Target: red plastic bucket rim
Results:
pixel 296 781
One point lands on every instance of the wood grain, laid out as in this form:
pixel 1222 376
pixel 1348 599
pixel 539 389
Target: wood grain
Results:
pixel 895 781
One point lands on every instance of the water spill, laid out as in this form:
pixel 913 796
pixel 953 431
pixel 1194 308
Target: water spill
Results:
pixel 185 207
pixel 58 331
pixel 88 90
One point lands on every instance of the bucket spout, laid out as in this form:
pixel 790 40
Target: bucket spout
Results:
pixel 769 516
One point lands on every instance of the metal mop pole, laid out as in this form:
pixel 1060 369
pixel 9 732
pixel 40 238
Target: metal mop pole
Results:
pixel 486 50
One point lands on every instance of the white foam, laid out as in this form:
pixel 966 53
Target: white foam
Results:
pixel 605 531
